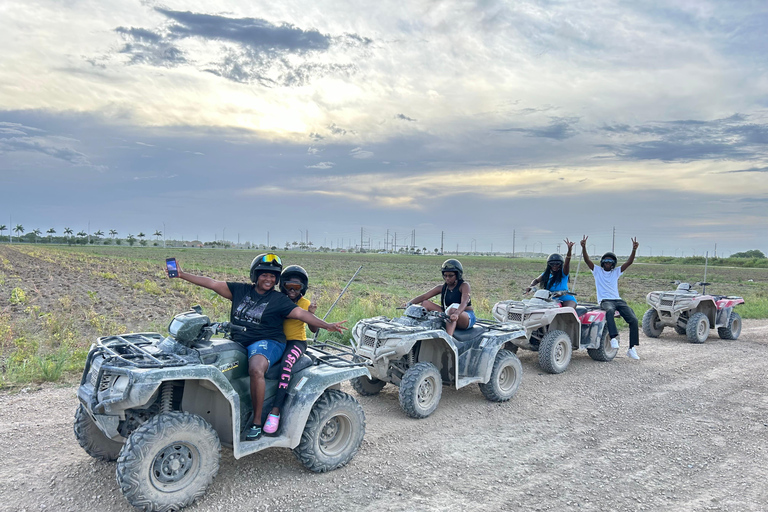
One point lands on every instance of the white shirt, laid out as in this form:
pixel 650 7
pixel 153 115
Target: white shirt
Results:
pixel 607 283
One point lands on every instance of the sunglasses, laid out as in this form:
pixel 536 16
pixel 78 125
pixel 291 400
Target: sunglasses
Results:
pixel 272 259
pixel 292 286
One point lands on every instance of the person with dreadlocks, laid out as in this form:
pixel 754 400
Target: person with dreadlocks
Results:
pixel 607 285
pixel 555 277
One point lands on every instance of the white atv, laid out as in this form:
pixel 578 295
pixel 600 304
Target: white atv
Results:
pixel 692 313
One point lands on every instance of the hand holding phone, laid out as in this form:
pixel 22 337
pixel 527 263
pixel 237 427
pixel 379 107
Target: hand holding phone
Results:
pixel 172 267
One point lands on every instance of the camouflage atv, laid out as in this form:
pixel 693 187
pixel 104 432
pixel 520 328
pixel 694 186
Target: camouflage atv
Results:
pixel 162 407
pixel 555 331
pixel 415 353
pixel 692 313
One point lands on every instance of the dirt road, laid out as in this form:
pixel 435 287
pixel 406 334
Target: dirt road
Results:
pixel 683 429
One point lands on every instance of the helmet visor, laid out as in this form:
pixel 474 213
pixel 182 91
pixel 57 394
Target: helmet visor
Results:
pixel 271 259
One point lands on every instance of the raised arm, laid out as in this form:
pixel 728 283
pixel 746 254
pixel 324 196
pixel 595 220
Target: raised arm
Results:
pixel 584 253
pixel 567 266
pixel 424 296
pixel 312 321
pixel 631 258
pixel 219 287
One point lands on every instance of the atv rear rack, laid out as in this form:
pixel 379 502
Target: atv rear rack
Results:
pixel 335 354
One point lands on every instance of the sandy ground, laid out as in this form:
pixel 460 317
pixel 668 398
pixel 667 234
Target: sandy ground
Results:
pixel 683 429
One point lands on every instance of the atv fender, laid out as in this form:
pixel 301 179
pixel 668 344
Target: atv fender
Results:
pixel 477 362
pixel 568 321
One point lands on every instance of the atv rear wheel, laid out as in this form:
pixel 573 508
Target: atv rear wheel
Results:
pixel 367 387
pixel 168 462
pixel 652 325
pixel 732 329
pixel 604 352
pixel 555 351
pixel 333 433
pixel 505 378
pixel 420 390
pixel 92 439
pixel 697 328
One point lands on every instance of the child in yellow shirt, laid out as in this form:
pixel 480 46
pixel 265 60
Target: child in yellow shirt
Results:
pixel 293 282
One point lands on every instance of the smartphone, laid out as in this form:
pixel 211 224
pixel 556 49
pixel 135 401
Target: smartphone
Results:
pixel 173 270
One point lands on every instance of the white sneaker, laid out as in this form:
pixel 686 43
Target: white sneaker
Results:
pixel 632 353
pixel 614 343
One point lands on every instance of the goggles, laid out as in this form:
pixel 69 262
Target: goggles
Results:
pixel 271 259
pixel 608 260
pixel 555 264
pixel 292 286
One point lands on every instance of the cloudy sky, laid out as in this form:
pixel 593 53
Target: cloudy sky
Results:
pixel 472 119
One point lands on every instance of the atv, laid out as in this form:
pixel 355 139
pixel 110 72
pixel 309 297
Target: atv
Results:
pixel 692 314
pixel 555 331
pixel 163 406
pixel 415 353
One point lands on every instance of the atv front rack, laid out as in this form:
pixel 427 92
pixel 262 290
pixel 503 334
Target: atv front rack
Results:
pixel 334 354
pixel 128 350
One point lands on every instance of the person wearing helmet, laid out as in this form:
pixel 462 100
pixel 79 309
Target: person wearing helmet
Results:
pixel 454 298
pixel 555 277
pixel 261 309
pixel 293 283
pixel 606 282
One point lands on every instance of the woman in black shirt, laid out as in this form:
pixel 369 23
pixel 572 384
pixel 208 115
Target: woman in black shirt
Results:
pixel 454 298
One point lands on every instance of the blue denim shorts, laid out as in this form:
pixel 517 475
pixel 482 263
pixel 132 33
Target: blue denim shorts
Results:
pixel 472 318
pixel 271 349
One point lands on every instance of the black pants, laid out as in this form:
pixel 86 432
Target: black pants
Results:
pixel 612 305
pixel 293 351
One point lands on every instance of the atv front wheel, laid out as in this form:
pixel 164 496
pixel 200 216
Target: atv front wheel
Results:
pixel 420 390
pixel 652 325
pixel 367 387
pixel 697 328
pixel 732 329
pixel 92 439
pixel 333 433
pixel 555 351
pixel 168 462
pixel 505 378
pixel 604 352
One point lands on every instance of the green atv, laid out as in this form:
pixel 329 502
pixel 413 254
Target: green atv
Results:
pixel 163 406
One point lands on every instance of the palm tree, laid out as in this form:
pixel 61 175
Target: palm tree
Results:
pixel 50 232
pixel 158 234
pixel 18 229
pixel 37 233
pixel 112 233
pixel 99 233
pixel 82 233
pixel 131 239
pixel 68 232
pixel 141 235
pixel 3 227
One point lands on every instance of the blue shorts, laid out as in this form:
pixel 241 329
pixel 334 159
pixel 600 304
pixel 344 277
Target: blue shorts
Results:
pixel 564 298
pixel 472 318
pixel 271 349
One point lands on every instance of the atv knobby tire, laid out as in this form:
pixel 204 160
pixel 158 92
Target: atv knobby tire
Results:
pixel 697 329
pixel 367 387
pixel 555 351
pixel 652 325
pixel 168 462
pixel 505 378
pixel 420 390
pixel 604 352
pixel 93 440
pixel 333 433
pixel 732 329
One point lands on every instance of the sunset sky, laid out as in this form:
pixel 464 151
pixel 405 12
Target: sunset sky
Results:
pixel 549 119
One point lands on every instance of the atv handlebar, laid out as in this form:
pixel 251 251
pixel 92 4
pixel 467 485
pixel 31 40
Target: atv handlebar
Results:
pixel 227 327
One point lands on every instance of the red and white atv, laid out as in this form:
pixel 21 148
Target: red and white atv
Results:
pixel 692 313
pixel 555 331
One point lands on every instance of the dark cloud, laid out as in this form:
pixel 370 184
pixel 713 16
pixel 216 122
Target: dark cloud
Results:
pixel 44 146
pixel 559 129
pixel 753 169
pixel 257 50
pixel 404 118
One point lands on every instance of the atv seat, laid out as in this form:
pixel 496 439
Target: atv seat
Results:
pixel 468 334
pixel 274 372
pixel 581 311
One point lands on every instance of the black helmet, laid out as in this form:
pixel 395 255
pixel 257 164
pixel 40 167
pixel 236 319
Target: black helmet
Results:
pixel 294 272
pixel 452 266
pixel 555 258
pixel 609 257
pixel 266 262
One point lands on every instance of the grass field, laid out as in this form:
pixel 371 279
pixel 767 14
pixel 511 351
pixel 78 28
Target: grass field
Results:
pixel 54 301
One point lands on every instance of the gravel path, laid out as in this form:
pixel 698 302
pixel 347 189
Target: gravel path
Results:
pixel 683 429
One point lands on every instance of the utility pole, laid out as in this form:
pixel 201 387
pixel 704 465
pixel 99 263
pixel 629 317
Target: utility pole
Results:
pixel 442 238
pixel 361 238
pixel 268 240
pixel 513 243
pixel 386 241
pixel 395 248
pixel 613 241
pixel 715 256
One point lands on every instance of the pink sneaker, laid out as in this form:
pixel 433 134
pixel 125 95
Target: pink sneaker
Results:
pixel 273 421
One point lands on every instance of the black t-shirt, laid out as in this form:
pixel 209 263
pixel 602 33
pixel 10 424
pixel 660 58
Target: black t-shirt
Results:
pixel 261 315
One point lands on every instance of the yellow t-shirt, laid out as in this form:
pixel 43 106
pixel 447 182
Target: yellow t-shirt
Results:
pixel 296 329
